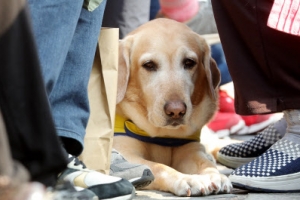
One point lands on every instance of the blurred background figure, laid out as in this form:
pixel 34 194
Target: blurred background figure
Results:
pixel 126 15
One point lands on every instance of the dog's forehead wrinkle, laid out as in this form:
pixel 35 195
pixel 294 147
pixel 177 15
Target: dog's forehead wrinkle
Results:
pixel 185 50
pixel 163 39
pixel 152 56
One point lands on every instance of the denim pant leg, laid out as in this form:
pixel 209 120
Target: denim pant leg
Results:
pixel 154 8
pixel 69 97
pixel 66 36
pixel 54 23
pixel 218 54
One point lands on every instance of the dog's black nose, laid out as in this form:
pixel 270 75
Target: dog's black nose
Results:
pixel 175 109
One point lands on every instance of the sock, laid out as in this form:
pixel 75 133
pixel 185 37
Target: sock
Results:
pixel 292 118
pixel 179 10
pixel 281 126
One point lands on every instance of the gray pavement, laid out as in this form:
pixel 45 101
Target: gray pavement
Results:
pixel 149 194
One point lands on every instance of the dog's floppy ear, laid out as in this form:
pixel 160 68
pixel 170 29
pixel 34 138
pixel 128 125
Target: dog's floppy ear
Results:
pixel 124 67
pixel 212 72
pixel 215 72
pixel 210 77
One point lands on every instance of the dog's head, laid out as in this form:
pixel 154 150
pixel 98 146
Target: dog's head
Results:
pixel 166 75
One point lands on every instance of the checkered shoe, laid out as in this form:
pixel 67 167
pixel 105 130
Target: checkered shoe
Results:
pixel 277 170
pixel 235 155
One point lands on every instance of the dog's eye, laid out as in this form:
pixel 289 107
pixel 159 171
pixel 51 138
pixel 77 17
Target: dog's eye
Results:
pixel 150 66
pixel 188 63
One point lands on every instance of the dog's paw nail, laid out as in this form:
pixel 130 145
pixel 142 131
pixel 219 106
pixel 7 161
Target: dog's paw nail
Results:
pixel 225 188
pixel 188 193
pixel 229 189
pixel 216 189
pixel 203 192
pixel 214 186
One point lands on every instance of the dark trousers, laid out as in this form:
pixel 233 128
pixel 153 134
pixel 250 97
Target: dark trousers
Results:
pixel 264 63
pixel 29 126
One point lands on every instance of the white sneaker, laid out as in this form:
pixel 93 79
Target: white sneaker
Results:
pixel 104 186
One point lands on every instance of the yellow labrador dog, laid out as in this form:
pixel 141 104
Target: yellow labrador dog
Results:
pixel 167 91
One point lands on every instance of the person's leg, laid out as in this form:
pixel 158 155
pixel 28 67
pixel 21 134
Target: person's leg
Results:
pixel 24 104
pixel 14 177
pixel 9 172
pixel 70 94
pixel 66 37
pixel 264 80
pixel 126 15
pixel 54 25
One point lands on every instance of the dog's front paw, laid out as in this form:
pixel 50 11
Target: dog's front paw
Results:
pixel 201 185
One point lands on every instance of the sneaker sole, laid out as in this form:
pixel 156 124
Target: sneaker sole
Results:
pixel 146 179
pixel 233 162
pixel 256 127
pixel 284 183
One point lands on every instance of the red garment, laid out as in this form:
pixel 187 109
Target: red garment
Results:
pixel 179 10
pixel 285 16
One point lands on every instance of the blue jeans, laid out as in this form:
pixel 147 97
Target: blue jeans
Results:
pixel 66 36
pixel 154 8
pixel 217 54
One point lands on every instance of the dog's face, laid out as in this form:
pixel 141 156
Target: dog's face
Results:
pixel 166 75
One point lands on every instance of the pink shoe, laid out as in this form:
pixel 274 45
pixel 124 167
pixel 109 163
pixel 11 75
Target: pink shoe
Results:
pixel 224 124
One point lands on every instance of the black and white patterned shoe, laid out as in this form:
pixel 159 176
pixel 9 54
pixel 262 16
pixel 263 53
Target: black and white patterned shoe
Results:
pixel 104 186
pixel 235 155
pixel 277 170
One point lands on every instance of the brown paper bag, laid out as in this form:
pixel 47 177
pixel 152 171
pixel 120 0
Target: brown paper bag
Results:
pixel 102 97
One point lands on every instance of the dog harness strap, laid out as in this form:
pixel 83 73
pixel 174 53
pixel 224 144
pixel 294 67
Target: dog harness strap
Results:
pixel 131 130
pixel 172 142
